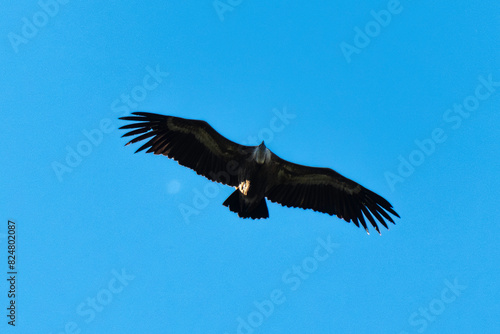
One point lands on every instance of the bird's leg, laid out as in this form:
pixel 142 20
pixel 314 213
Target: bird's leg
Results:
pixel 244 187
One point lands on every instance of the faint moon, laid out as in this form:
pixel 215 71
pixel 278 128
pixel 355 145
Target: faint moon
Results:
pixel 173 187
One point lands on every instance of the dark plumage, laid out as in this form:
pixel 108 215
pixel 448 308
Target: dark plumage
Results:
pixel 256 172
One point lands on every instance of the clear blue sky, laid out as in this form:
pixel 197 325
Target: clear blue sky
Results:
pixel 402 97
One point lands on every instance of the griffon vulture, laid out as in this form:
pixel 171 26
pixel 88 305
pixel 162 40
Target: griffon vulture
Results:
pixel 256 172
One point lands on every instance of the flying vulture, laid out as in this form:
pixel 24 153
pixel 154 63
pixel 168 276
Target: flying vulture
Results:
pixel 256 172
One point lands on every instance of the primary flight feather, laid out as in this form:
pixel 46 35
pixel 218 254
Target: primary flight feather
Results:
pixel 256 172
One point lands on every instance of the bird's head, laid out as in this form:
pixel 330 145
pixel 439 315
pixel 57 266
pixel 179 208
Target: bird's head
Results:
pixel 262 154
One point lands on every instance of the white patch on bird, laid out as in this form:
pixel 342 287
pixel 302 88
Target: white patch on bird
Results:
pixel 173 187
pixel 244 187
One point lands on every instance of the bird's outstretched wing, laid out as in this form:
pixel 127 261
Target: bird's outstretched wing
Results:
pixel 192 143
pixel 324 190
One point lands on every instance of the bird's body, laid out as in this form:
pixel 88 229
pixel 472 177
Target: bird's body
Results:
pixel 256 172
pixel 248 200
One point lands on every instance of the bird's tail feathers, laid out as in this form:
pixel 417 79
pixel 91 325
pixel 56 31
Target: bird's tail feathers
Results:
pixel 237 204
